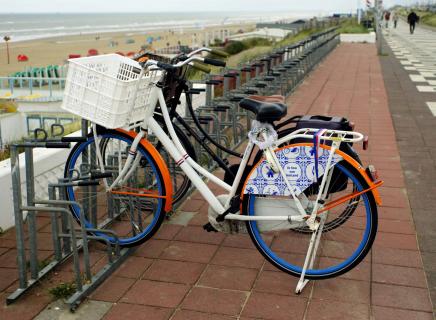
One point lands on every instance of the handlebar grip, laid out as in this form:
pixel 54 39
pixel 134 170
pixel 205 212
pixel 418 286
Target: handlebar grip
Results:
pixel 88 183
pixel 201 67
pixel 220 53
pixel 165 66
pixel 214 82
pixel 73 139
pixel 213 62
pixel 52 145
pixel 101 175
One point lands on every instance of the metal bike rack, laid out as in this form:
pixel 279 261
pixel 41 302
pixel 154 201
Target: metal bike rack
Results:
pixel 67 236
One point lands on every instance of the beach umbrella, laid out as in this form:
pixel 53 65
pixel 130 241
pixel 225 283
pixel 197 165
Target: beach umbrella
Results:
pixel 7 38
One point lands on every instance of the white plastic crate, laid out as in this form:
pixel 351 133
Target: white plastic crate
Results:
pixel 102 89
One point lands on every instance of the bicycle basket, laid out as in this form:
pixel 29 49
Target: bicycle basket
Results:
pixel 102 89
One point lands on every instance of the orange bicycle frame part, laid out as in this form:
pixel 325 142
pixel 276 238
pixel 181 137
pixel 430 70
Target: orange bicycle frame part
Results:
pixel 162 168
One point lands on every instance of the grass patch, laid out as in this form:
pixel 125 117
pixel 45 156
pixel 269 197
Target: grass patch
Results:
pixel 292 38
pixel 63 290
pixel 428 18
pixel 248 55
pixel 351 26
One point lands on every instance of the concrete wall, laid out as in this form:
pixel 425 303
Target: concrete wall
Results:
pixel 358 37
pixel 12 127
pixel 49 165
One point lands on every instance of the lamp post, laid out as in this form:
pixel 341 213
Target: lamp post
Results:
pixel 7 38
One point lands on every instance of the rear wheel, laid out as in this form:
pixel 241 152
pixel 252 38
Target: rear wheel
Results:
pixel 339 250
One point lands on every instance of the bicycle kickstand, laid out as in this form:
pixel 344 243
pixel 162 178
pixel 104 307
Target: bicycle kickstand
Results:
pixel 311 254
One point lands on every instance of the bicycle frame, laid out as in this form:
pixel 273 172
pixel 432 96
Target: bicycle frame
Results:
pixel 193 169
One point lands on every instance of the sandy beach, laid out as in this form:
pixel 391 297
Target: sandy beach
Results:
pixel 55 51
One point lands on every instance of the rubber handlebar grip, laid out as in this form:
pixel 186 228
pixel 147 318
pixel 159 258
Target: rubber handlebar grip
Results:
pixel 165 66
pixel 214 82
pixel 52 145
pixel 101 175
pixel 88 183
pixel 73 139
pixel 201 67
pixel 214 62
pixel 220 53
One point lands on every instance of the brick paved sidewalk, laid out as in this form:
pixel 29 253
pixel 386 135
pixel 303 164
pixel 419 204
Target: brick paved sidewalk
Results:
pixel 186 273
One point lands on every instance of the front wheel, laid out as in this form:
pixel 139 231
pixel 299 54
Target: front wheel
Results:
pixel 134 210
pixel 339 250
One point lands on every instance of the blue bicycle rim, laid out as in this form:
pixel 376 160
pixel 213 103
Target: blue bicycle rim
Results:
pixel 319 272
pixel 76 209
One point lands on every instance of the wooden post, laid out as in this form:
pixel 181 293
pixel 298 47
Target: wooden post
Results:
pixel 7 38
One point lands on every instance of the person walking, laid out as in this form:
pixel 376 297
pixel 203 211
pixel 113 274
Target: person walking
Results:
pixel 395 19
pixel 412 19
pixel 387 18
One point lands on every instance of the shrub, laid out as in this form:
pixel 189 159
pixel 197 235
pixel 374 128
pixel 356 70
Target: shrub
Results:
pixel 235 47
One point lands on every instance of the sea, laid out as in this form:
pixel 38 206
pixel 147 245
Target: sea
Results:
pixel 22 27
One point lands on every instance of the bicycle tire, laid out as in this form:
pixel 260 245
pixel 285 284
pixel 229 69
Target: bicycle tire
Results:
pixel 133 205
pixel 282 247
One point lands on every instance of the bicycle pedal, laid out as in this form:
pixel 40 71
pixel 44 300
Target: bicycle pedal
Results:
pixel 209 228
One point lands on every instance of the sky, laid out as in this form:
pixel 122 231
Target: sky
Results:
pixel 61 6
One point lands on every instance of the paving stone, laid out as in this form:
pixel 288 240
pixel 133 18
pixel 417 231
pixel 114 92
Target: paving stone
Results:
pixel 399 275
pixel 324 309
pixel 274 307
pixel 167 231
pixel 7 277
pixel 281 283
pixel 397 241
pixel 383 313
pixel 138 312
pixel 175 271
pixel 185 251
pixel 237 257
pixel 394 296
pixel 224 277
pixel 198 234
pixel 112 289
pixel 342 290
pixel 153 293
pixel 195 315
pixel 398 257
pixel 151 249
pixel 133 267
pixel 213 300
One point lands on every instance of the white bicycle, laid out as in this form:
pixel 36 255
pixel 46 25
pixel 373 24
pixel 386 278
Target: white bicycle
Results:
pixel 283 201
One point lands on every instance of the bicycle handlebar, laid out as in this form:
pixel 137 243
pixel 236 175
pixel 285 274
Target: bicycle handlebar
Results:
pixel 190 61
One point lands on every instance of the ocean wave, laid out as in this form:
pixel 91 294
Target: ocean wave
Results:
pixel 29 33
